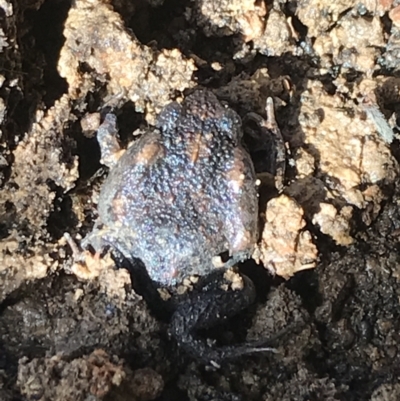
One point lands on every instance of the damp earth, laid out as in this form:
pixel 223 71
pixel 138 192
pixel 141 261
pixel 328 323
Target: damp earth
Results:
pixel 327 253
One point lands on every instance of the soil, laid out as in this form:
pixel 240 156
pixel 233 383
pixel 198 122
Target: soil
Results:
pixel 328 272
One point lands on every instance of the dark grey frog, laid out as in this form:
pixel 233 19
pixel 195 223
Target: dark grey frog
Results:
pixel 182 201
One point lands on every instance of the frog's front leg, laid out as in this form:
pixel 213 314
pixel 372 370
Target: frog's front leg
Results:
pixel 101 236
pixel 270 127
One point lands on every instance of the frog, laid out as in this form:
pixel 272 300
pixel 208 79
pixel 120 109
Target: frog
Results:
pixel 181 203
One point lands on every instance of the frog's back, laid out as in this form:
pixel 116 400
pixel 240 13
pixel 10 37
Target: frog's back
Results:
pixel 184 193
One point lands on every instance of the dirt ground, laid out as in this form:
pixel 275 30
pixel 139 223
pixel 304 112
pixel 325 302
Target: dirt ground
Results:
pixel 328 253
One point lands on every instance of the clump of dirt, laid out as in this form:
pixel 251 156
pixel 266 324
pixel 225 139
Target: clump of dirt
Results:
pixel 285 248
pixel 332 70
pixel 96 37
pixel 93 375
pixel 96 375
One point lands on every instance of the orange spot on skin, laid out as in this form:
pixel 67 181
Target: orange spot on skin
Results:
pixel 194 148
pixel 198 146
pixel 235 176
pixel 118 207
pixel 242 242
pixel 148 153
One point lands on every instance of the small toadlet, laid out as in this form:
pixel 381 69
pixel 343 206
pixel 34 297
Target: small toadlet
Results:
pixel 177 199
pixel 182 194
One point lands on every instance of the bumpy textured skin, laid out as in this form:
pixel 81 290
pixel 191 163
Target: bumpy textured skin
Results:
pixel 183 193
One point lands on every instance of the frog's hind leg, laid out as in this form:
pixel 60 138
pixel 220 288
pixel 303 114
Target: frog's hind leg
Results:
pixel 144 286
pixel 206 309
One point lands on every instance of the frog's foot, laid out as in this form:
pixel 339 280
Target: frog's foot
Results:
pixel 107 136
pixel 86 264
pixel 270 126
pixel 207 308
pixel 266 345
pixel 219 355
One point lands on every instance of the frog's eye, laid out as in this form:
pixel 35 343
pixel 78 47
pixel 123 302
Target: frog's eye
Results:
pixel 230 125
pixel 167 119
